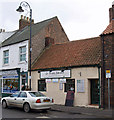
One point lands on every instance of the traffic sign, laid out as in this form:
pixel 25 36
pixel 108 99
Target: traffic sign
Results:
pixel 108 73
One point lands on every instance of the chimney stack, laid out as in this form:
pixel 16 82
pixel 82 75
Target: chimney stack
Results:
pixel 111 12
pixel 2 30
pixel 24 21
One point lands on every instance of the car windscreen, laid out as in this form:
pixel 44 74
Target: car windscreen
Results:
pixel 36 94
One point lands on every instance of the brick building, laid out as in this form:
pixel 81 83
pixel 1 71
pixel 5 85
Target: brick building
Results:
pixel 107 38
pixel 87 61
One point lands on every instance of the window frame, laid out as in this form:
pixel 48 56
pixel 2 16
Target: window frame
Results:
pixel 22 53
pixel 5 57
pixel 44 90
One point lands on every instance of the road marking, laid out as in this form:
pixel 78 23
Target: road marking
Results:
pixel 42 117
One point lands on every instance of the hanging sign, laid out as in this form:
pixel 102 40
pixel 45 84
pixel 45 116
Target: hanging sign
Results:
pixel 108 73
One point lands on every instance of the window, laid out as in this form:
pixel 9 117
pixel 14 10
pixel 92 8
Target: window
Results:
pixel 6 57
pixel 41 85
pixel 15 94
pixel 70 84
pixel 22 52
pixel 23 94
pixel 36 94
pixel 10 85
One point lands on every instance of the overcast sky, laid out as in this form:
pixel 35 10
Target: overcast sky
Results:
pixel 80 18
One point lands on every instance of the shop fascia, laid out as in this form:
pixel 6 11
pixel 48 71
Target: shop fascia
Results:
pixel 55 74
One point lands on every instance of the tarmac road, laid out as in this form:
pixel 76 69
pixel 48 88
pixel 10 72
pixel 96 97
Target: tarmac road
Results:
pixel 19 113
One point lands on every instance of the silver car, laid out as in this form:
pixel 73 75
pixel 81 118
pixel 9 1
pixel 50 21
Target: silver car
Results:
pixel 28 100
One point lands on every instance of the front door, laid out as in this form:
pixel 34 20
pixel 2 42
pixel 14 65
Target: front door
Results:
pixel 94 92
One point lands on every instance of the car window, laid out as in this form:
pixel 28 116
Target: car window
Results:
pixel 23 94
pixel 36 94
pixel 15 94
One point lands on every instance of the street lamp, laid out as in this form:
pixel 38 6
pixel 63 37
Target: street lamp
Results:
pixel 25 4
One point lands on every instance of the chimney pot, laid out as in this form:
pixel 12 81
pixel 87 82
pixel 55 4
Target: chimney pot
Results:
pixel 21 16
pixel 24 17
pixel 27 18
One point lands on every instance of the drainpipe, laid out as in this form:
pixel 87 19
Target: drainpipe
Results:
pixel 103 70
pixel 99 86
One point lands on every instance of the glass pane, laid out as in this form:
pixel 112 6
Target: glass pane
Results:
pixel 5 60
pixel 23 57
pixel 6 53
pixel 23 50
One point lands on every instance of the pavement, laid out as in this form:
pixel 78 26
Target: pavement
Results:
pixel 101 113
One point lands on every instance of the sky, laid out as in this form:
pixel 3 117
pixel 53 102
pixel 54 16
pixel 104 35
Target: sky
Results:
pixel 80 19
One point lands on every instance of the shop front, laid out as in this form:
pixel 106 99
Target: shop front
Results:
pixel 10 81
pixel 57 83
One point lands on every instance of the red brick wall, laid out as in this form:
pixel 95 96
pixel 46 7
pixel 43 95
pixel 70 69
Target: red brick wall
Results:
pixel 108 65
pixel 55 31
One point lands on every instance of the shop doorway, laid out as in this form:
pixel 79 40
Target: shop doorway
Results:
pixel 94 91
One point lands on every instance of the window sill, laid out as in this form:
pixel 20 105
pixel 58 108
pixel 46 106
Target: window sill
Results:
pixel 5 65
pixel 22 62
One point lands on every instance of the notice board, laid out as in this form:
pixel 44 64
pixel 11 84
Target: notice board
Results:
pixel 69 98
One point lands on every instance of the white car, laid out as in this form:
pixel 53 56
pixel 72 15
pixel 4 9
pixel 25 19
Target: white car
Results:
pixel 28 100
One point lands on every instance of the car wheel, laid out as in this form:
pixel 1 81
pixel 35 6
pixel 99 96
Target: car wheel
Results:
pixel 26 107
pixel 4 104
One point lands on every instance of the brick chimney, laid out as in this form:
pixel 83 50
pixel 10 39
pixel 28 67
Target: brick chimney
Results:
pixel 2 30
pixel 24 21
pixel 48 41
pixel 111 12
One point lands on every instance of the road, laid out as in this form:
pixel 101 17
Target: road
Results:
pixel 19 113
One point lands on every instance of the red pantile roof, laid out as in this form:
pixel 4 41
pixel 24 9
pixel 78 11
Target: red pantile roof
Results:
pixel 110 28
pixel 74 53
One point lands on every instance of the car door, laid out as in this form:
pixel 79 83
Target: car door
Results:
pixel 21 99
pixel 12 99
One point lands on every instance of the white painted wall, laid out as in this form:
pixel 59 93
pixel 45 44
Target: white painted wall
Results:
pixel 14 57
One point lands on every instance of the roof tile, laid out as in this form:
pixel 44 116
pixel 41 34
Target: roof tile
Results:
pixel 74 53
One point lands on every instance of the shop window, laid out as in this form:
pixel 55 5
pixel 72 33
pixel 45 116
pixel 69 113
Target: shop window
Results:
pixel 69 85
pixel 41 85
pixel 6 57
pixel 22 53
pixel 10 85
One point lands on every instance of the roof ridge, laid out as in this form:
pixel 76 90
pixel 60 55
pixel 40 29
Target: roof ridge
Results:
pixel 76 41
pixel 45 20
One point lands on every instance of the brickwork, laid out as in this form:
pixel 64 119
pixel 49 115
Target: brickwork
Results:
pixel 53 31
pixel 24 21
pixel 108 65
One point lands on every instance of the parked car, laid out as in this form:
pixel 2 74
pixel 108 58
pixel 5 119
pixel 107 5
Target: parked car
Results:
pixel 28 100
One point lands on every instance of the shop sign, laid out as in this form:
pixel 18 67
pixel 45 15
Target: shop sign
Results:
pixel 48 80
pixel 55 80
pixel 9 77
pixel 11 72
pixel 55 74
pixel 63 80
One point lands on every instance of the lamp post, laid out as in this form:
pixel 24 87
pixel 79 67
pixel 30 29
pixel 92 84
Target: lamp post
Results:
pixel 25 4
